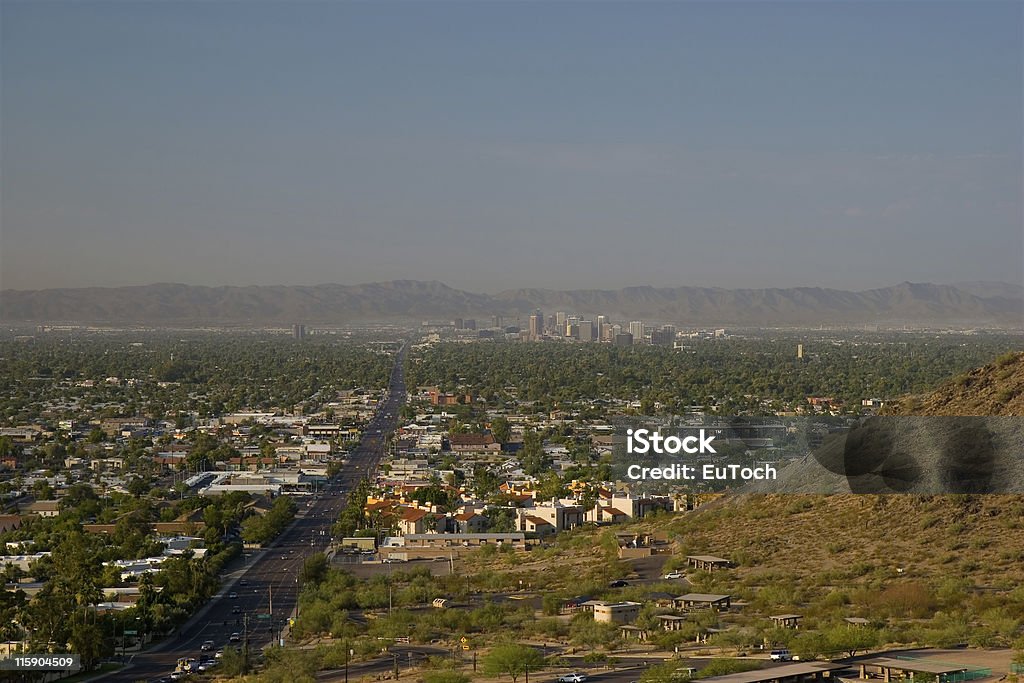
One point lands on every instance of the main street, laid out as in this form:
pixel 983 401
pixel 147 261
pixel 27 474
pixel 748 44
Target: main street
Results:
pixel 266 586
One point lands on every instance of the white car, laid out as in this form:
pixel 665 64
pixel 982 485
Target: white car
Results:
pixel 780 656
pixel 673 575
pixel 572 678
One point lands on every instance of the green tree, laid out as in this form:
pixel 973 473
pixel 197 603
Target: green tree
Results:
pixel 314 569
pixel 502 520
pixel 86 639
pixel 850 639
pixel 532 455
pixel 485 482
pixel 138 487
pixel 42 490
pixel 501 430
pixel 511 659
pixel 720 667
pixel 551 486
pixel 8 447
pixel 445 676
pixel 666 672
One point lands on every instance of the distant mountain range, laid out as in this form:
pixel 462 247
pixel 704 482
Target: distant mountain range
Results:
pixel 977 303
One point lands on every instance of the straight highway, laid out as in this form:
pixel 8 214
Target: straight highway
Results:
pixel 256 600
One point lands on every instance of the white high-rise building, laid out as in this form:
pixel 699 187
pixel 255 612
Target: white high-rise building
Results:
pixel 636 328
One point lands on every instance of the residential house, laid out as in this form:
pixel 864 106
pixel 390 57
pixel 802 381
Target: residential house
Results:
pixel 473 443
pixel 42 508
pixel 470 523
pixel 536 525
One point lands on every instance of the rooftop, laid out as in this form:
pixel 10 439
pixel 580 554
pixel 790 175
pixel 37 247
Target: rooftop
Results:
pixel 777 672
pixel 915 665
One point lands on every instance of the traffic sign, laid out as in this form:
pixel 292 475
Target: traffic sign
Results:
pixel 465 647
pixel 131 633
pixel 262 616
pixel 463 640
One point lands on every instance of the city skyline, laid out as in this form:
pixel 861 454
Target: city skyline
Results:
pixel 505 145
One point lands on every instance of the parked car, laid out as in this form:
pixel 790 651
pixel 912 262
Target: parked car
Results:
pixel 673 575
pixel 618 583
pixel 572 678
pixel 780 656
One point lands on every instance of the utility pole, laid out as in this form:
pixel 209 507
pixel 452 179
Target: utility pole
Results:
pixel 346 661
pixel 245 643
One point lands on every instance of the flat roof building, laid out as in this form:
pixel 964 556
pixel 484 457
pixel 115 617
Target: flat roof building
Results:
pixel 707 562
pixel 703 601
pixel 809 672
pixel 890 668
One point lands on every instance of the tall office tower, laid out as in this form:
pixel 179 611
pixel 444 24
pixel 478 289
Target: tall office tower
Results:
pixel 498 321
pixel 664 336
pixel 601 320
pixel 536 324
pixel 623 339
pixel 607 331
pixel 560 321
pixel 460 324
pixel 799 351
pixel 470 323
pixel 636 328
pixel 298 331
pixel 586 328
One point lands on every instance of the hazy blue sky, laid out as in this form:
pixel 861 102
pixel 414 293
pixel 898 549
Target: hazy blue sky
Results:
pixel 493 145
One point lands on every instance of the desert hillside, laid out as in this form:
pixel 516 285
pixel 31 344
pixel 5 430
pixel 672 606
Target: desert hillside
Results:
pixel 995 389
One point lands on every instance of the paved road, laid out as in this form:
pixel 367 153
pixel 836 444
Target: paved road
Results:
pixel 267 584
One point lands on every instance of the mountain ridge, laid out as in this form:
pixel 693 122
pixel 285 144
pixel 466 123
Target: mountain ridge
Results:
pixel 414 299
